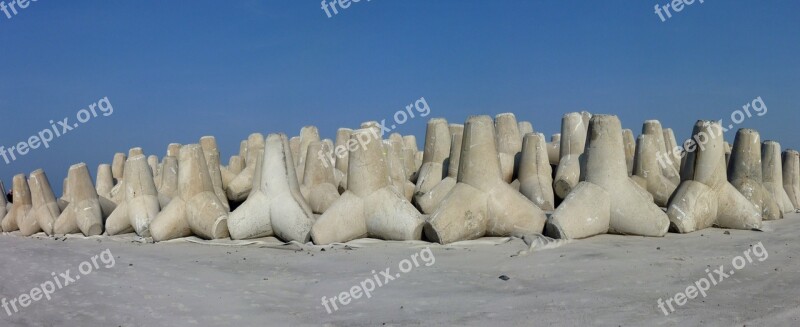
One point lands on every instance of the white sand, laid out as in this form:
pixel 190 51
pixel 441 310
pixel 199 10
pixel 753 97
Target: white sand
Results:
pixel 607 280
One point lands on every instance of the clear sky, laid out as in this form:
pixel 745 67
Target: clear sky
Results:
pixel 177 70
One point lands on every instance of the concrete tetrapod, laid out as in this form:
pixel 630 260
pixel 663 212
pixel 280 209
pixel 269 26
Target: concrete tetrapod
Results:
pixel 433 170
pixel 240 187
pixel 45 208
pixel 554 149
pixel 27 222
pixel 535 173
pixel 482 203
pixel 168 185
pixel 319 186
pixel 428 202
pixel 197 209
pixel 630 149
pixel 394 152
pixel 63 201
pixel 117 172
pixel 83 214
pixel 573 142
pixel 744 173
pixel 509 144
pixel 632 211
pixel 647 172
pixel 141 201
pixel 772 170
pixel 370 207
pixel 791 176
pixel 664 158
pixel 410 156
pixel 118 166
pixel 174 149
pixel 152 161
pixel 104 181
pixel 21 204
pixel 275 207
pixel 141 195
pixel 705 197
pixel 211 154
pixel 340 155
pixel 673 150
pixel 308 134
pixel 229 172
pixel 585 212
pixel 415 154
pixel 525 127
pixel 728 151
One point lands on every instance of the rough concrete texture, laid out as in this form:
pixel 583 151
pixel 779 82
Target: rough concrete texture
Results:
pixel 196 210
pixel 410 150
pixel 308 134
pixel 152 161
pixel 276 205
pixel 554 149
pixel 482 203
pixel 319 186
pixel 648 173
pixel 662 155
pixel 705 197
pixel 673 150
pixel 371 206
pixel 573 142
pixel 772 170
pixel 21 203
pixel 509 144
pixel 744 173
pixel 141 196
pixel 27 222
pixel 341 154
pixel 211 154
pixel 630 149
pixel 84 213
pixel 791 176
pixel 242 184
pixel 104 182
pixel 44 208
pixel 585 212
pixel 437 150
pixel 535 173
pixel 632 209
pixel 168 185
pixel 394 151
pixel 428 202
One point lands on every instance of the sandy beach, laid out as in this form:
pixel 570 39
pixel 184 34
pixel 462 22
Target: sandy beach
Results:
pixel 607 280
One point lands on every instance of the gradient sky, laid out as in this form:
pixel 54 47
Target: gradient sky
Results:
pixel 177 70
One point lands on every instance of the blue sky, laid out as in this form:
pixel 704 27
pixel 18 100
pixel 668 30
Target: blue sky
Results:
pixel 177 70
